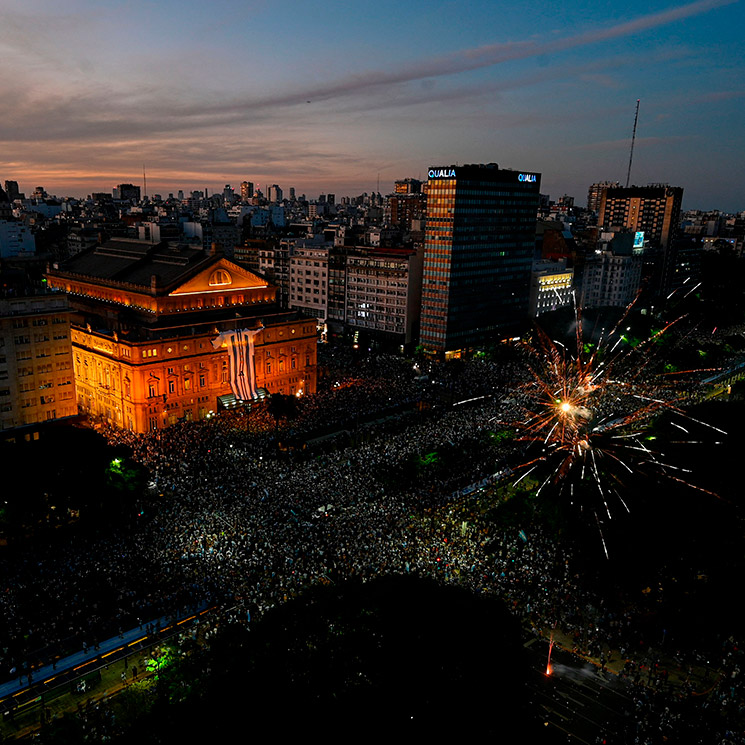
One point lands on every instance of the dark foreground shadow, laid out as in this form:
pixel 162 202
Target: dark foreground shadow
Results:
pixel 397 658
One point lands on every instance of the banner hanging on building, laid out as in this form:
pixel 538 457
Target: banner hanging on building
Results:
pixel 240 344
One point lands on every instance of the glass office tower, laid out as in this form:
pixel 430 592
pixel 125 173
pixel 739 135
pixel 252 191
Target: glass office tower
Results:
pixel 478 253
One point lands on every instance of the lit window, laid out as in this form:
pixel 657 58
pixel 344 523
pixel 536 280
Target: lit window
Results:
pixel 220 277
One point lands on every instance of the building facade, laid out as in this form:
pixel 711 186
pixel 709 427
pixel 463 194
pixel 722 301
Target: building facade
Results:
pixel 551 286
pixel 478 254
pixel 128 192
pixel 376 292
pixel 16 239
pixel 407 186
pixel 247 191
pixel 595 193
pixel 403 209
pixel 150 333
pixel 274 264
pixel 653 214
pixel 653 210
pixel 612 275
pixel 36 369
pixel 309 267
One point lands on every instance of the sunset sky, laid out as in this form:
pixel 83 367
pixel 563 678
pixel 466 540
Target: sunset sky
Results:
pixel 331 96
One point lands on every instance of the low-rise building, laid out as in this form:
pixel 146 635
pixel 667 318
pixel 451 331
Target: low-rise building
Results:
pixel 166 333
pixel 551 287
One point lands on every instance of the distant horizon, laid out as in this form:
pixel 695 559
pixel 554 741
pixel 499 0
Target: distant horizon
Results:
pixel 580 200
pixel 209 94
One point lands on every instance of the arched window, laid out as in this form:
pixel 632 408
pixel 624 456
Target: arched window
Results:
pixel 220 277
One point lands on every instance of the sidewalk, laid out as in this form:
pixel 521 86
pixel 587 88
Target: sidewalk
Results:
pixel 27 688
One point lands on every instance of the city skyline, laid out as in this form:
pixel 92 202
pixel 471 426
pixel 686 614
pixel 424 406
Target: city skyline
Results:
pixel 341 99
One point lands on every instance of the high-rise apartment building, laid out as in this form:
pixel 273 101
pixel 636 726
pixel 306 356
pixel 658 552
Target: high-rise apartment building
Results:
pixel 595 192
pixel 127 192
pixel 274 193
pixel 247 191
pixel 478 254
pixel 309 279
pixel 11 188
pixel 375 293
pixel 653 211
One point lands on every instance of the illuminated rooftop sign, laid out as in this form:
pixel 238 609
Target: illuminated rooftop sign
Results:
pixel 527 177
pixel 441 173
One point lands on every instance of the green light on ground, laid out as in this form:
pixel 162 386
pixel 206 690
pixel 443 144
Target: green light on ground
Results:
pixel 161 660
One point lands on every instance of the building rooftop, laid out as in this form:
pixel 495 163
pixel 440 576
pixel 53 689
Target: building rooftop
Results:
pixel 136 262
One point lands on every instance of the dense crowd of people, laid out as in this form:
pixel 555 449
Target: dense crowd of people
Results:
pixel 230 519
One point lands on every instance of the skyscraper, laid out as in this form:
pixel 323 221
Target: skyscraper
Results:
pixel 478 254
pixel 247 191
pixel 274 193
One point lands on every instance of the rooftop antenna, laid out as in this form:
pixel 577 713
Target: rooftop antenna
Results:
pixel 633 138
pixel 144 182
pixel 378 182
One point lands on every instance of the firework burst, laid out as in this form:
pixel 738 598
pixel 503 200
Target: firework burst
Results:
pixel 585 414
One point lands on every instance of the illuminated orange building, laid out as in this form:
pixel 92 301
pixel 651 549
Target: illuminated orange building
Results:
pixel 146 317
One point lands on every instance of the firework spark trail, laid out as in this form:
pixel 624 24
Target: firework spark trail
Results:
pixel 692 290
pixel 530 470
pixel 602 537
pixel 585 410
